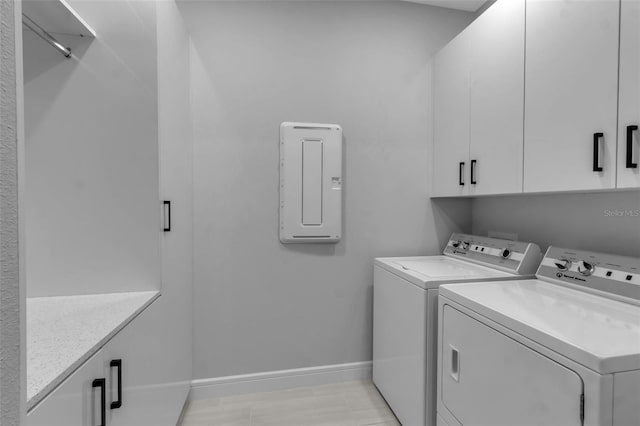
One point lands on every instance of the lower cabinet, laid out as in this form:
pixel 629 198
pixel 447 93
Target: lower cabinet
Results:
pixel 76 401
pixel 126 380
pixel 146 395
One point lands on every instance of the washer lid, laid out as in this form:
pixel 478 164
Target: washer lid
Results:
pixel 431 271
pixel 600 333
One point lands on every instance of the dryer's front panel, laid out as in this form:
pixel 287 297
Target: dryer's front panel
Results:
pixel 490 379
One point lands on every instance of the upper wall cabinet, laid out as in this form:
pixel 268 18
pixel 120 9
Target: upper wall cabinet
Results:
pixel 451 118
pixel 478 106
pixel 629 99
pixel 497 99
pixel 571 86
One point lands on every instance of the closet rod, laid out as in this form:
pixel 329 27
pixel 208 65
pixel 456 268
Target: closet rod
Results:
pixel 42 33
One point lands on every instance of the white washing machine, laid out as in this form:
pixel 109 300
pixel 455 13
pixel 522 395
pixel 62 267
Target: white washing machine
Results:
pixel 405 291
pixel 560 350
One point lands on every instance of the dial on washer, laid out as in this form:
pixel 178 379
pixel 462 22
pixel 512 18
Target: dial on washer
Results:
pixel 563 264
pixel 586 268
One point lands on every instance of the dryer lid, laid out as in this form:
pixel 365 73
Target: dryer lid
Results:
pixel 598 332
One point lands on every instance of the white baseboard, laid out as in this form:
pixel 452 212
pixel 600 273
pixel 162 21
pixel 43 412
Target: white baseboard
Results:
pixel 278 380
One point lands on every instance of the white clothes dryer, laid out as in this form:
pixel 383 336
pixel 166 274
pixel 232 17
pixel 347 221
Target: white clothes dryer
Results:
pixel 560 350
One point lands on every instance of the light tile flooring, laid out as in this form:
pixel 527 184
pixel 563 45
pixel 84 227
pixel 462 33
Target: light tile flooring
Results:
pixel 339 404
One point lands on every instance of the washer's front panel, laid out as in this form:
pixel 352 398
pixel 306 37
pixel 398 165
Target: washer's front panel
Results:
pixel 399 344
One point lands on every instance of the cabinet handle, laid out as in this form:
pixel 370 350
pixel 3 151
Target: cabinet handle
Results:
pixel 461 174
pixel 102 384
pixel 473 172
pixel 630 163
pixel 167 216
pixel 117 363
pixel 596 152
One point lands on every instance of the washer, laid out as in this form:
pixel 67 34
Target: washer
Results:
pixel 560 350
pixel 405 291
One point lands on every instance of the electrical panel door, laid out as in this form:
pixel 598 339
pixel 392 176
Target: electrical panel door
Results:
pixel 310 183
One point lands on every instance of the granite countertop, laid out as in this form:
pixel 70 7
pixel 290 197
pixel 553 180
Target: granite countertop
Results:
pixel 64 331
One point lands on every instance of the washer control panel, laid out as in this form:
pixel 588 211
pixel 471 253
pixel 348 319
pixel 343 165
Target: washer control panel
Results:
pixel 513 256
pixel 616 275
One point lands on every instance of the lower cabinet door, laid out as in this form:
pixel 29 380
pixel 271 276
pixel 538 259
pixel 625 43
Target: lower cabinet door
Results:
pixel 138 393
pixel 76 402
pixel 490 379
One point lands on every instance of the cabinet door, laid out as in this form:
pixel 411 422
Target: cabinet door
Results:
pixel 489 379
pixel 148 398
pixel 571 87
pixel 497 99
pixel 451 118
pixel 75 402
pixel 629 111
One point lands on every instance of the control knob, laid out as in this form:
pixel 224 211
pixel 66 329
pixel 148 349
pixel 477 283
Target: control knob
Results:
pixel 456 244
pixel 563 264
pixel 466 245
pixel 586 268
pixel 505 253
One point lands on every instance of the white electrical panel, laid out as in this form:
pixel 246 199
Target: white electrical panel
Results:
pixel 310 183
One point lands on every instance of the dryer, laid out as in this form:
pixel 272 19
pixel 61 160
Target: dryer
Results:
pixel 559 350
pixel 405 291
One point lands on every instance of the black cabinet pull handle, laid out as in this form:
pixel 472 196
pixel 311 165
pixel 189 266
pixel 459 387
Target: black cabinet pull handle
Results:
pixel 102 384
pixel 473 172
pixel 596 152
pixel 167 216
pixel 117 363
pixel 630 163
pixel 461 174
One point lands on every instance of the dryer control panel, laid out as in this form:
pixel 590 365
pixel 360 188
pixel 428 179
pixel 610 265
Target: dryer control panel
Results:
pixel 512 256
pixel 596 272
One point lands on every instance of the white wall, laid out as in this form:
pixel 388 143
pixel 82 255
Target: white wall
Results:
pixel 606 222
pixel 92 208
pixel 260 305
pixel 11 308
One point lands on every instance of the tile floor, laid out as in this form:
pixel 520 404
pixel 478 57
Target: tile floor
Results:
pixel 338 404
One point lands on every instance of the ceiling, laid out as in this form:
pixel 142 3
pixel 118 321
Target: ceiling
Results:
pixel 468 5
